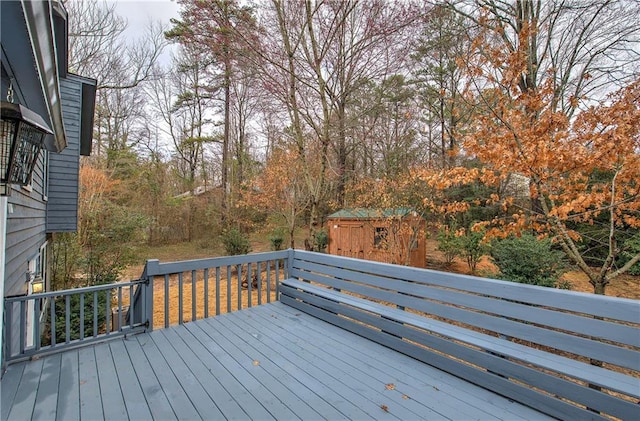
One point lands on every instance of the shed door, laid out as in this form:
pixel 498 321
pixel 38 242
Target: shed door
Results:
pixel 351 242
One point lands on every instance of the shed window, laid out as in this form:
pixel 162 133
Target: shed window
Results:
pixel 380 238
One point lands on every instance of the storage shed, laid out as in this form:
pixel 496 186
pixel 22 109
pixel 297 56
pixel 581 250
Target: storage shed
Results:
pixel 384 235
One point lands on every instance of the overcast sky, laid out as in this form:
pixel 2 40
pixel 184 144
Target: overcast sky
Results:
pixel 140 12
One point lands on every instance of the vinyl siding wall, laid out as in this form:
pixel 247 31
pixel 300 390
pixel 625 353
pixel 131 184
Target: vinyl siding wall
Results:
pixel 25 231
pixel 62 204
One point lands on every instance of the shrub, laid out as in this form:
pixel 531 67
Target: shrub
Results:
pixel 630 248
pixel 449 244
pixel 473 247
pixel 321 240
pixel 528 260
pixel 277 239
pixel 235 242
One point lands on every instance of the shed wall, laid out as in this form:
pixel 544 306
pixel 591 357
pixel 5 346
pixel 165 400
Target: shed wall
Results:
pixel 355 237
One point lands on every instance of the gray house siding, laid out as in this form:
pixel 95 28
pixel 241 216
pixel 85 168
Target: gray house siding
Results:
pixel 25 233
pixel 62 204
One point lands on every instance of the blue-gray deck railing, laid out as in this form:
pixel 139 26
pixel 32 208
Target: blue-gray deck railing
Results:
pixel 67 318
pixel 165 294
pixel 188 290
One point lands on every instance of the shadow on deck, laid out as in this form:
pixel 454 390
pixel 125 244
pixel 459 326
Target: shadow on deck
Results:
pixel 266 362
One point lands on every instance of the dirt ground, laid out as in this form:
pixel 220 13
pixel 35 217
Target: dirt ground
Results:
pixel 232 296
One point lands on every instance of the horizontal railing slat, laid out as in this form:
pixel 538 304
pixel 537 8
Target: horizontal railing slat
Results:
pixel 623 309
pixel 198 264
pixel 72 291
pixel 623 357
pixel 522 311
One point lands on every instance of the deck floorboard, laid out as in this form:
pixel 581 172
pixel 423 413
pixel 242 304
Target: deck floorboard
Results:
pixel 287 387
pixel 430 382
pixel 316 379
pixel 46 398
pixel 90 394
pixel 144 396
pixel 68 407
pixel 10 383
pixel 266 362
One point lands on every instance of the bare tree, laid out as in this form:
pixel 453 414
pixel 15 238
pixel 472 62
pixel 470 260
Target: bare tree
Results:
pixel 98 48
pixel 588 48
pixel 314 56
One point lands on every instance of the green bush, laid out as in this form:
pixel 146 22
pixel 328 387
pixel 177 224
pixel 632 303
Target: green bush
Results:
pixel 235 242
pixel 528 260
pixel 321 240
pixel 630 248
pixel 449 244
pixel 277 239
pixel 101 313
pixel 473 247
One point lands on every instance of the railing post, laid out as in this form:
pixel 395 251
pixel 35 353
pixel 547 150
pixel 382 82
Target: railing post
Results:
pixel 290 254
pixel 7 332
pixel 152 268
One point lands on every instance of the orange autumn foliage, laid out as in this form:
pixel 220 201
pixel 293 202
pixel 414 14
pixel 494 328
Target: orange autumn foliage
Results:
pixel 578 160
pixel 95 187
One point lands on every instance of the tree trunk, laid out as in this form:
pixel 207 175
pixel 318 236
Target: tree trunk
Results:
pixel 599 286
pixel 225 141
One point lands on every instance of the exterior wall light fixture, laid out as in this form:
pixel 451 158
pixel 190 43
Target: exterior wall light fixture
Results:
pixel 22 134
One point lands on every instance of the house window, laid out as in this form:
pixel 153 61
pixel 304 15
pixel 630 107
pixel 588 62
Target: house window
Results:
pixel 380 238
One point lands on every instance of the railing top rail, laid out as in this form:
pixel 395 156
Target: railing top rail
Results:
pixel 74 291
pixel 155 268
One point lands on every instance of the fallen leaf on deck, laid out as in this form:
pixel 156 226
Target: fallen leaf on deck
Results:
pixel 256 362
pixel 405 397
pixel 385 408
pixel 390 386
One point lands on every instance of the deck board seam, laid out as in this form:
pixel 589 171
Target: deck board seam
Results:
pixel 231 373
pixel 144 355
pixel 196 402
pixel 134 388
pixel 172 398
pixel 262 378
pixel 115 366
pixel 179 380
pixel 227 386
pixel 176 340
pixel 11 398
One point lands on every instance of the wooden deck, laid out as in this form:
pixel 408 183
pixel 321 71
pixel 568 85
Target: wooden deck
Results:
pixel 267 362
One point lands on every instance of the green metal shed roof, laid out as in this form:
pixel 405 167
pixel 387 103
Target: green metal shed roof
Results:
pixel 369 213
